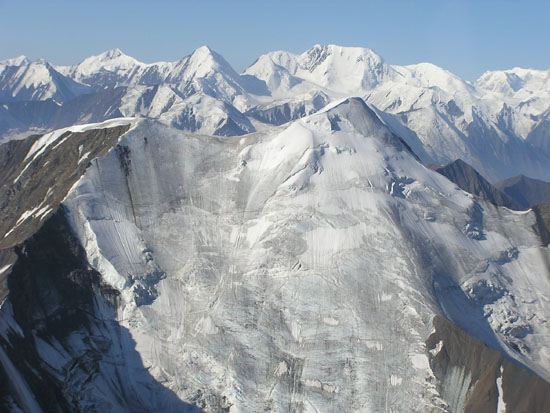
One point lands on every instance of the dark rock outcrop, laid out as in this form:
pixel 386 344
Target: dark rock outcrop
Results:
pixel 542 214
pixel 475 378
pixel 33 187
pixel 525 191
pixel 468 179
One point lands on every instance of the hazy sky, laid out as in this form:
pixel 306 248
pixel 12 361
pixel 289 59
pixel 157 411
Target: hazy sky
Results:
pixel 465 37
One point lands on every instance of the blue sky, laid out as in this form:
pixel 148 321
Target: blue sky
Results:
pixel 465 37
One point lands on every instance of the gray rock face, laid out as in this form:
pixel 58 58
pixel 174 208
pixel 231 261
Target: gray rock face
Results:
pixel 526 191
pixel 287 111
pixel 475 378
pixel 471 181
pixel 38 172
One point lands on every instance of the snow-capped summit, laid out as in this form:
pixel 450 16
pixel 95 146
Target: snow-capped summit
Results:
pixel 112 65
pixel 15 61
pixel 37 81
pixel 204 62
pixel 498 124
pixel 203 71
pixel 114 53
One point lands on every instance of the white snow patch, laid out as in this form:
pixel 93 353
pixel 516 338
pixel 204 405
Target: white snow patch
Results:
pixel 395 380
pixel 501 406
pixel 317 384
pixel 4 269
pixel 435 351
pixel 420 361
pixel 330 321
pixel 25 215
pixel 374 345
pixel 282 369
pixel 84 157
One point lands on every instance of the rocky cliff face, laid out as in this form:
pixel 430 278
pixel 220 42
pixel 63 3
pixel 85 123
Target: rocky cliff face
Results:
pixel 475 378
pixel 526 191
pixel 471 181
pixel 304 268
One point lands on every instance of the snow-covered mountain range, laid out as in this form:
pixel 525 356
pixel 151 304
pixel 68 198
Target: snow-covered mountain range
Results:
pixel 177 236
pixel 498 124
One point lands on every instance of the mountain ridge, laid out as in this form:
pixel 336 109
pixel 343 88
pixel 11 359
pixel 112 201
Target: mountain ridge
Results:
pixel 499 130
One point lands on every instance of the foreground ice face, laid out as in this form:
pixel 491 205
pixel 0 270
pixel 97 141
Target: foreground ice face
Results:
pixel 300 268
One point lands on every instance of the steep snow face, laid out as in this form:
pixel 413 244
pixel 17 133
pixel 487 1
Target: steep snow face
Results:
pixel 20 80
pixel 300 268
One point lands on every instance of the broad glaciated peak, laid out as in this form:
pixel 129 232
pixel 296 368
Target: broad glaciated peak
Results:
pixel 345 68
pixel 428 75
pixel 342 70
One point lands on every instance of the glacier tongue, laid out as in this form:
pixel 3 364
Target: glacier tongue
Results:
pixel 299 268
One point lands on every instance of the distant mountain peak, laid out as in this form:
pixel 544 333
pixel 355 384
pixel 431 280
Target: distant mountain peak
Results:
pixel 16 61
pixel 204 61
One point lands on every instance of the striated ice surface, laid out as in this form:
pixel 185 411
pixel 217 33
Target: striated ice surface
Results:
pixel 299 268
